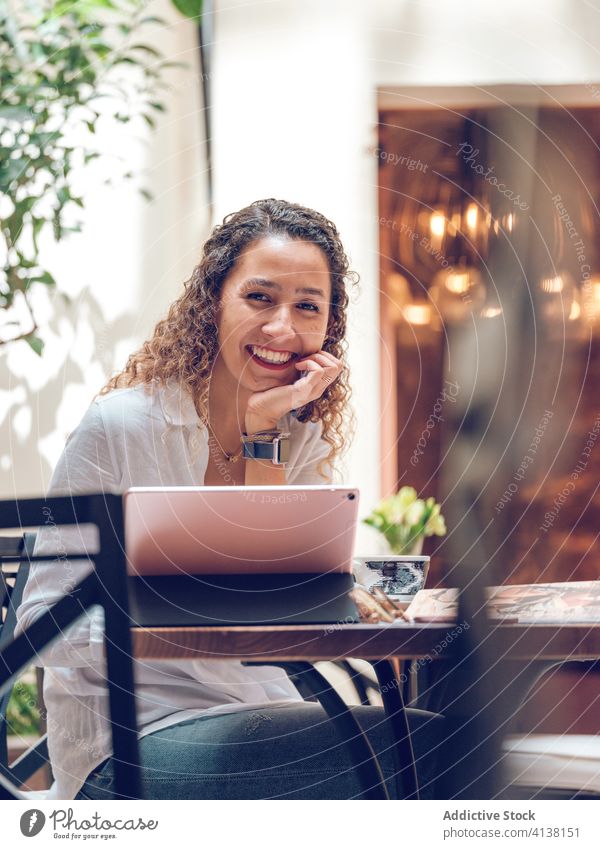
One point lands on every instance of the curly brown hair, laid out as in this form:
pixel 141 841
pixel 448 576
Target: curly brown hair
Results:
pixel 184 345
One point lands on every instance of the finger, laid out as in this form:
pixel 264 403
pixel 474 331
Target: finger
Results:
pixel 321 377
pixel 323 357
pixel 308 365
pixel 313 364
pixel 323 361
pixel 333 359
pixel 331 370
pixel 329 362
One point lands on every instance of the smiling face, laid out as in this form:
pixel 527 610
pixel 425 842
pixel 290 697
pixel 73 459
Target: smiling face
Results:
pixel 274 309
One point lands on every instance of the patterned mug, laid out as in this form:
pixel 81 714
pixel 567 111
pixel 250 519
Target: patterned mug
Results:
pixel 400 576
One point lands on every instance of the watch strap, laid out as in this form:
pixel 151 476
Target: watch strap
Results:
pixel 276 449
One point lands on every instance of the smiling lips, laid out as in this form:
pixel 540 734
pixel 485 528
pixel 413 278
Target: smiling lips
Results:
pixel 267 358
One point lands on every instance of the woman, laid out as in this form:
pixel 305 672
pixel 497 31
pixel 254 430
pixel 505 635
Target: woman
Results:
pixel 253 348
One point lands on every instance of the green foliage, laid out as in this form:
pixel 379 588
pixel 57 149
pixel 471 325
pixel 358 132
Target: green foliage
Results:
pixel 58 60
pixel 22 715
pixel 403 519
pixel 189 8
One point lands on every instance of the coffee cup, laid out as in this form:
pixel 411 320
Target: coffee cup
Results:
pixel 399 576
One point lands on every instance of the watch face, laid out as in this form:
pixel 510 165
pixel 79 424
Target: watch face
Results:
pixel 284 450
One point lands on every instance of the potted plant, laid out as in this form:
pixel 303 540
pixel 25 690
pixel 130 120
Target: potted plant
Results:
pixel 59 62
pixel 405 520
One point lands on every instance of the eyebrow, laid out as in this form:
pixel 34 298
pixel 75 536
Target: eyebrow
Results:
pixel 269 284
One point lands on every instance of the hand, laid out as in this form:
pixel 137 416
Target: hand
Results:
pixel 317 372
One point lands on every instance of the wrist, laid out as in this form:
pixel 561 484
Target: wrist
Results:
pixel 254 423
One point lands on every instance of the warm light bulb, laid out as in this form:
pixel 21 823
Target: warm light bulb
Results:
pixel 458 282
pixel 419 314
pixel 552 285
pixel 437 224
pixel 398 293
pixel 491 312
pixel 591 300
pixel 471 216
pixel 457 292
pixel 508 222
pixel 560 302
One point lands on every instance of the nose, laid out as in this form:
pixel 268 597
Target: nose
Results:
pixel 280 324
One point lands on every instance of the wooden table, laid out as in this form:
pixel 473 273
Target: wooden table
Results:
pixel 565 636
pixel 548 642
pixel 522 651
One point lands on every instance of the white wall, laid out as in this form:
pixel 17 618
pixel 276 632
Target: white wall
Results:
pixel 293 119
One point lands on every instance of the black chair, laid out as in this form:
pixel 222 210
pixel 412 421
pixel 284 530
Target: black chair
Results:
pixel 106 585
pixel 12 583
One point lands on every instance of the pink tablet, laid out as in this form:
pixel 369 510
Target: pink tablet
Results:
pixel 238 530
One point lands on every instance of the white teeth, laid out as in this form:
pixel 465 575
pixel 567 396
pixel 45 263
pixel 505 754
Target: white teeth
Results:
pixel 270 356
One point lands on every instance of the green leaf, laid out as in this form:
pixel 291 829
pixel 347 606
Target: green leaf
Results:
pixel 14 223
pixel 42 139
pixel 153 19
pixel 151 51
pixel 10 171
pixel 46 278
pixel 24 262
pixel 36 344
pixel 38 224
pixel 22 713
pixel 83 8
pixel 189 8
pixel 102 50
pixel 174 65
pixel 63 195
pixel 15 113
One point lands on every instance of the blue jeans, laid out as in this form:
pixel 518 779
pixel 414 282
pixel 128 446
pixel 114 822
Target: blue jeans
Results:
pixel 289 752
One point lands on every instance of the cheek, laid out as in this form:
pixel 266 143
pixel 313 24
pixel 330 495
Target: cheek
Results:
pixel 318 327
pixel 231 326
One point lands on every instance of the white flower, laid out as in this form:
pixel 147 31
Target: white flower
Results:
pixel 436 524
pixel 415 513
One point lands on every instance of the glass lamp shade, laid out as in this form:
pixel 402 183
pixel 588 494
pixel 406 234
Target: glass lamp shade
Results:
pixel 590 301
pixel 559 301
pixel 457 292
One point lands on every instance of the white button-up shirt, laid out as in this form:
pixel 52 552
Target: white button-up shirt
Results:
pixel 132 437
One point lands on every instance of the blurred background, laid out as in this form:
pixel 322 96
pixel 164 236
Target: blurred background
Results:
pixel 456 148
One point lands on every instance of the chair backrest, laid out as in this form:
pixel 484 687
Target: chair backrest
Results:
pixel 12 584
pixel 105 585
pixel 9 547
